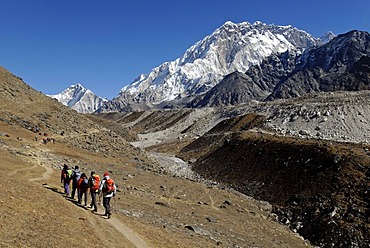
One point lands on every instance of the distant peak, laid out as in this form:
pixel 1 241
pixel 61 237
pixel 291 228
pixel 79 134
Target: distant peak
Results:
pixel 233 24
pixel 78 85
pixel 79 98
pixel 256 23
pixel 229 23
pixel 330 33
pixel 327 37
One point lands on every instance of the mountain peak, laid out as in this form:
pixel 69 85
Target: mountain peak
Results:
pixel 327 37
pixel 228 23
pixel 258 23
pixel 78 86
pixel 80 99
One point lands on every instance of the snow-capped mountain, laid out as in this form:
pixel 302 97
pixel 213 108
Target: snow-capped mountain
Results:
pixel 80 99
pixel 327 37
pixel 232 47
pixel 340 64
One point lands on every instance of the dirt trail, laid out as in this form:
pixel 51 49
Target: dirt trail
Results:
pixel 46 174
pixel 128 233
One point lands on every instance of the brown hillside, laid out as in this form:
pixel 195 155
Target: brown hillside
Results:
pixel 28 108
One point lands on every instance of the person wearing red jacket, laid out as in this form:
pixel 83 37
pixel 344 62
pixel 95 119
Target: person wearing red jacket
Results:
pixel 83 187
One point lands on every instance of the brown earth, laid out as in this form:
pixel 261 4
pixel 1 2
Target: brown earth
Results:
pixel 151 209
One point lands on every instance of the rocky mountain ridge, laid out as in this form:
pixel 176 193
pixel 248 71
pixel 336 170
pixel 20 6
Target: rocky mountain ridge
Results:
pixel 341 64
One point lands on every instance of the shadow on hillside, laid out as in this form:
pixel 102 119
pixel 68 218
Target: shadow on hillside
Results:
pixel 54 189
pixel 75 202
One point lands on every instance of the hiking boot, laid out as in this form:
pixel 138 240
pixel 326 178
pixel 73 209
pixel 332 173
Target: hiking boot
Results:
pixel 109 215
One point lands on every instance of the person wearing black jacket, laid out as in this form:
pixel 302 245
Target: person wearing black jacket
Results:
pixel 76 174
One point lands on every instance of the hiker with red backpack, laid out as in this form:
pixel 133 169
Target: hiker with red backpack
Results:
pixel 94 183
pixel 108 188
pixel 83 187
pixel 65 179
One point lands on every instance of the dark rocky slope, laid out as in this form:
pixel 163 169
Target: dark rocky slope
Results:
pixel 255 84
pixel 341 64
pixel 319 188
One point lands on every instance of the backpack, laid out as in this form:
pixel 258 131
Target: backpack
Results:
pixel 76 176
pixel 82 184
pixel 109 185
pixel 68 174
pixel 96 182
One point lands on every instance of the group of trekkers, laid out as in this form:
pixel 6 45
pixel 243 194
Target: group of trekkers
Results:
pixel 83 185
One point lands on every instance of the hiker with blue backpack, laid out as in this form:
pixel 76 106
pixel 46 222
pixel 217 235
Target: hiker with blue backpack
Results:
pixel 65 179
pixel 76 174
pixel 108 188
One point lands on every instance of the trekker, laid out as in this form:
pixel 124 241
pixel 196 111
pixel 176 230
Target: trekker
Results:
pixel 108 187
pixel 83 187
pixel 76 174
pixel 94 183
pixel 65 178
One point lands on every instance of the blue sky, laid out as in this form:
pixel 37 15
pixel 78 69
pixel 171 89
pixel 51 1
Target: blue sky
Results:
pixel 105 45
